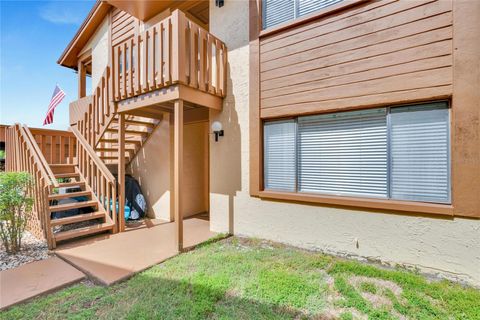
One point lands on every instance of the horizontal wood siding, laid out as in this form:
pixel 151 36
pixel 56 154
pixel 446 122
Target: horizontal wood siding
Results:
pixel 124 26
pixel 377 53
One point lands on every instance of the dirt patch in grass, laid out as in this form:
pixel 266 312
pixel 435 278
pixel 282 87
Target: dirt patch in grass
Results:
pixel 373 290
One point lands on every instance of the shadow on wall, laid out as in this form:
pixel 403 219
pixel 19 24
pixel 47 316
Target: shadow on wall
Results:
pixel 151 167
pixel 225 155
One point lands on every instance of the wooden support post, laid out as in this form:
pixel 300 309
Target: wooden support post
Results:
pixel 121 172
pixel 82 80
pixel 178 172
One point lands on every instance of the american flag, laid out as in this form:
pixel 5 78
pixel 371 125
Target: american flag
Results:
pixel 57 97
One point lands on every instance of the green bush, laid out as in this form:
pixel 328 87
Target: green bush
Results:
pixel 2 154
pixel 15 208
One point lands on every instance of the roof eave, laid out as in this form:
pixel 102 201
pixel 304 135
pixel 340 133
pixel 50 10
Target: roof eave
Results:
pixel 92 21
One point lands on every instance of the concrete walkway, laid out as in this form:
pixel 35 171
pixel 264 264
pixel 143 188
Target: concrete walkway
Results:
pixel 32 279
pixel 112 258
pixel 106 258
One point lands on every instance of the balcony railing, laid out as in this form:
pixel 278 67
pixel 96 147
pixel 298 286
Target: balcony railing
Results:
pixel 173 51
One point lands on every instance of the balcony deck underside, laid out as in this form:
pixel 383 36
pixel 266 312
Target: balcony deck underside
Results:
pixel 153 103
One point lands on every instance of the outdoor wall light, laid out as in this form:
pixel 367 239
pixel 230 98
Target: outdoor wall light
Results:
pixel 219 3
pixel 217 130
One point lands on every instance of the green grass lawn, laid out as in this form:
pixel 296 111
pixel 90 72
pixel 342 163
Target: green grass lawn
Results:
pixel 250 279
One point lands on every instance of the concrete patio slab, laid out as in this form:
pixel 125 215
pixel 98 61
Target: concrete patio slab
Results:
pixel 36 278
pixel 112 258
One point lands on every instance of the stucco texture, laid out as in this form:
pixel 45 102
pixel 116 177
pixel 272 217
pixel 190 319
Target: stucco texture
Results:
pixel 99 45
pixel 446 247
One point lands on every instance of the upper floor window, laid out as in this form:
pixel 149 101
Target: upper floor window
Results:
pixel 278 11
pixel 400 153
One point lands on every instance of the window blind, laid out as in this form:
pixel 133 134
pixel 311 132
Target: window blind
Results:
pixel 309 6
pixel 420 153
pixel 279 155
pixel 344 153
pixel 278 11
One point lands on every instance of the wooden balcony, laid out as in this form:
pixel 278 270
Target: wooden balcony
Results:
pixel 171 58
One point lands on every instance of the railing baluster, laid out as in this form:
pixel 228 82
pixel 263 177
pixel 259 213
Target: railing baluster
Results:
pixel 98 109
pixel 124 71
pixel 70 150
pixel 61 150
pixel 217 68
pixel 193 55
pixel 167 52
pixel 159 55
pixel 153 57
pixel 138 72
pixel 107 200
pixel 145 61
pixel 102 98
pixel 116 69
pixel 108 80
pixel 224 70
pixel 114 204
pixel 130 69
pixel 149 59
pixel 209 64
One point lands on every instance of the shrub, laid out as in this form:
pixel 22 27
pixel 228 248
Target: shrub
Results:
pixel 15 208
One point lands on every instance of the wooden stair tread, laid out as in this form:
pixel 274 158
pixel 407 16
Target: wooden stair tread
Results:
pixel 78 218
pixel 112 157
pixel 105 140
pixel 75 205
pixel 69 195
pixel 134 132
pixel 66 175
pixel 114 149
pixel 61 165
pixel 74 233
pixel 136 122
pixel 71 184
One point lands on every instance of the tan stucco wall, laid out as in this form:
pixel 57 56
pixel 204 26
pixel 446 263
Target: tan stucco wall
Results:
pixel 195 168
pixel 153 170
pixel 448 247
pixel 100 53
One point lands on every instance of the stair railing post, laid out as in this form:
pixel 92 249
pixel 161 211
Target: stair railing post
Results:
pixel 121 172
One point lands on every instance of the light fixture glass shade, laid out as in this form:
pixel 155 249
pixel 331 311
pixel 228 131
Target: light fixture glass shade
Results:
pixel 216 126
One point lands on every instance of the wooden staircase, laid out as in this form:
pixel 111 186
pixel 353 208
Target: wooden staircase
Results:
pixel 74 193
pixel 137 131
pixel 82 200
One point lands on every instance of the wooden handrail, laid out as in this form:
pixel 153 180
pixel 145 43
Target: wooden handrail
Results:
pixel 99 179
pixel 41 159
pixel 38 159
pixel 22 156
pixel 99 110
pixel 93 156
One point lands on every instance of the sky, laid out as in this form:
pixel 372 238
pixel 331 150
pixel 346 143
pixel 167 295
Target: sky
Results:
pixel 33 35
